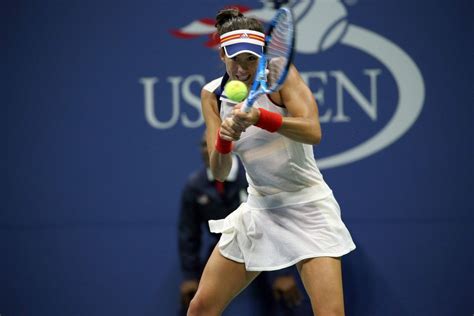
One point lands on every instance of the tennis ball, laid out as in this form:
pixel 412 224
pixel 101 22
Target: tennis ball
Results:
pixel 236 90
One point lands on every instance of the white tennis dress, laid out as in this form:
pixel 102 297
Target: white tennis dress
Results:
pixel 291 213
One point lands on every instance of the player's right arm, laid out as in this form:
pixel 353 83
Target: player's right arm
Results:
pixel 220 164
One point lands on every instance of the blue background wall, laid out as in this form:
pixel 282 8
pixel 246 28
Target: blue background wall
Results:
pixel 91 189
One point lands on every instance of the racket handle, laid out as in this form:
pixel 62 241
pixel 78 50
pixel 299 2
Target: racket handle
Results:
pixel 246 107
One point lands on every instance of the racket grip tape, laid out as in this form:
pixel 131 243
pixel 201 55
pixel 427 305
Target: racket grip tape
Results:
pixel 246 107
pixel 269 121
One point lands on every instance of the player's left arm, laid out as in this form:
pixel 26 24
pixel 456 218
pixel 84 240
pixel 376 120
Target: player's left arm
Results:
pixel 302 124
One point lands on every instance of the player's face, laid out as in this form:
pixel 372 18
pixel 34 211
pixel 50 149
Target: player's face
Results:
pixel 241 67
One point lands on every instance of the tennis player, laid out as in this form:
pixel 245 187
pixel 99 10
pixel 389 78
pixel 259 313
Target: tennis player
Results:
pixel 291 215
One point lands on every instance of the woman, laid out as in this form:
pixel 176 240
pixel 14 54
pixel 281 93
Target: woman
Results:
pixel 291 216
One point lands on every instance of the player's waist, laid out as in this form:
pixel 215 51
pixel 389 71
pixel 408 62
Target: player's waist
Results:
pixel 280 199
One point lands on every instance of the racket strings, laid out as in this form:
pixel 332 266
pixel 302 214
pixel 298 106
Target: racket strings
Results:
pixel 278 50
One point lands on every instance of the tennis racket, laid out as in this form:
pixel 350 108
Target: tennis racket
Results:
pixel 276 59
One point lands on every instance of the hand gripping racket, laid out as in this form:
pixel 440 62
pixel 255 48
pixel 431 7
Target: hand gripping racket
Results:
pixel 276 59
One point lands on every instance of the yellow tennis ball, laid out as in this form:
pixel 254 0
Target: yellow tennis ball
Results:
pixel 236 90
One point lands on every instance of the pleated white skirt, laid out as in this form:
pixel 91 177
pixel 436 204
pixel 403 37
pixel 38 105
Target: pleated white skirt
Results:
pixel 276 231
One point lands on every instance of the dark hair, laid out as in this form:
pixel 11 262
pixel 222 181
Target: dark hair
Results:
pixel 232 19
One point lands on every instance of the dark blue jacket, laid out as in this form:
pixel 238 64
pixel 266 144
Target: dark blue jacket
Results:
pixel 201 202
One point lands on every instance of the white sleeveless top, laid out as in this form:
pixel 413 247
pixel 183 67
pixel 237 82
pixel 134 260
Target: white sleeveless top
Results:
pixel 274 163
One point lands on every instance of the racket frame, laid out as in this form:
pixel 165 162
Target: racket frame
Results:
pixel 260 85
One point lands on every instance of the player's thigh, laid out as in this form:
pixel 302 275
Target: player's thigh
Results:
pixel 322 279
pixel 222 280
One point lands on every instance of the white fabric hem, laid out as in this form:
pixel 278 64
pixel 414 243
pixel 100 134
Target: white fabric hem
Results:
pixel 293 262
pixel 230 257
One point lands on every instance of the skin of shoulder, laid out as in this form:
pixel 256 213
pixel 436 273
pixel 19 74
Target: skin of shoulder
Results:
pixel 303 123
